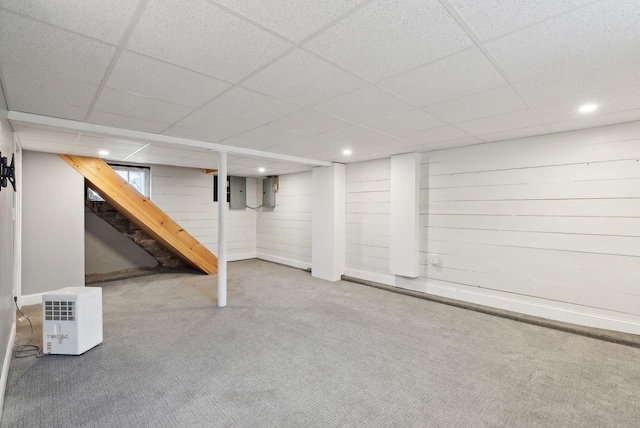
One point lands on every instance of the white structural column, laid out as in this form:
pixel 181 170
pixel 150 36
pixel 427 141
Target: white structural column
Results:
pixel 222 229
pixel 328 222
pixel 405 215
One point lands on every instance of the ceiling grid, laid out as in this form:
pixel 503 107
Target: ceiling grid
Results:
pixel 292 83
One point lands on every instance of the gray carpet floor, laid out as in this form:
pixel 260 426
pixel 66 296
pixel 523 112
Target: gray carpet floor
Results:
pixel 294 351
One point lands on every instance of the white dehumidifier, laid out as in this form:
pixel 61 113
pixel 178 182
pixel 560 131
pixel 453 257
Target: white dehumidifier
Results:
pixel 71 320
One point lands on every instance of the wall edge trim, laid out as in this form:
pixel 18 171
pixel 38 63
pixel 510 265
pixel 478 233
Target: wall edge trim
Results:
pixel 32 299
pixel 5 365
pixel 241 256
pixel 283 261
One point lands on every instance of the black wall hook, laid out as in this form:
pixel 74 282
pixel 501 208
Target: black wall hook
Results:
pixel 7 172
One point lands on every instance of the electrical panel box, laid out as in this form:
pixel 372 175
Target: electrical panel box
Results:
pixel 238 192
pixel 269 192
pixel 71 320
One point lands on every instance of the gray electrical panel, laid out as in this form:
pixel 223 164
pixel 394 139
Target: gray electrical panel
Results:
pixel 238 193
pixel 269 192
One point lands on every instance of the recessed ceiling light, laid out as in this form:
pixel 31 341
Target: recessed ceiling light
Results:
pixel 103 152
pixel 588 108
pixel 261 169
pixel 346 152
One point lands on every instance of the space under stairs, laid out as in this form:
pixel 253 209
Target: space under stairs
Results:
pixel 143 213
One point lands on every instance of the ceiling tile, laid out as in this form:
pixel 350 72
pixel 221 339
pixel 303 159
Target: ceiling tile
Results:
pixel 153 159
pixel 156 79
pixel 205 160
pixel 267 136
pixel 386 38
pixel 247 161
pixel 310 122
pixel 386 144
pixel 250 105
pixel 597 37
pixel 204 38
pixel 436 135
pixel 484 104
pixel 515 134
pixel 503 122
pixel 47 108
pixel 304 79
pixel 111 143
pixel 140 107
pixel 363 105
pixel 366 151
pixel 465 73
pixel 21 82
pixel 45 146
pixel 405 123
pixel 592 121
pixel 492 18
pixel 46 136
pixel 299 148
pixel 569 84
pixel 103 19
pixel 451 144
pixel 343 138
pixel 282 168
pixel 194 134
pixel 125 122
pixel 293 19
pixel 42 48
pixel 385 153
pixel 215 124
pixel 349 135
pixel 240 171
pixel 610 102
pixel 113 154
pixel 175 151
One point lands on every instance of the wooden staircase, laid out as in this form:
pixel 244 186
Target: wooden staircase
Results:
pixel 143 213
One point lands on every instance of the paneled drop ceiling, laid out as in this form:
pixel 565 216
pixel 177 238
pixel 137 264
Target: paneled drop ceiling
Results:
pixel 300 81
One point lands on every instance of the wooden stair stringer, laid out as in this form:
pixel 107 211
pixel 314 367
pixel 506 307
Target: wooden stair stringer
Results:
pixel 143 213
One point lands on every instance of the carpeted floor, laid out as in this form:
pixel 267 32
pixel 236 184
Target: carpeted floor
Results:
pixel 294 351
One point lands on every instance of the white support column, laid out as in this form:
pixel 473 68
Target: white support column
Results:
pixel 405 215
pixel 328 222
pixel 222 229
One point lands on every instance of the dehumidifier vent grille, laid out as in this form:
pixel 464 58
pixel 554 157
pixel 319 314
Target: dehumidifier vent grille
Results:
pixel 59 311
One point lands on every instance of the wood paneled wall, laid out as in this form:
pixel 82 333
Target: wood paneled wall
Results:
pixel 368 214
pixel 554 217
pixel 284 232
pixel 186 194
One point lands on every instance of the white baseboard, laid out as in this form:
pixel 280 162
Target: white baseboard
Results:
pixel 5 365
pixel 380 278
pixel 243 256
pixel 284 261
pixel 30 299
pixel 558 311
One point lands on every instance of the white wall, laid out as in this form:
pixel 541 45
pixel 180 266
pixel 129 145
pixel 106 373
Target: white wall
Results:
pixel 368 215
pixel 107 250
pixel 186 195
pixel 52 224
pixel 328 228
pixel 284 232
pixel 548 226
pixel 7 310
pixel 546 221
